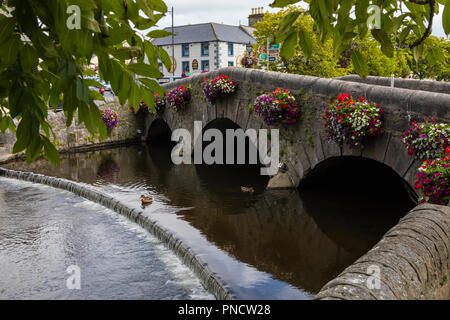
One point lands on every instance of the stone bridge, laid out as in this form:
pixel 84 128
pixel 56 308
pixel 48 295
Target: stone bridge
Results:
pixel 304 146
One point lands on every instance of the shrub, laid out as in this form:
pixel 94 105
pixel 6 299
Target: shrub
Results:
pixel 433 179
pixel 352 121
pixel 179 98
pixel 110 118
pixel 219 87
pixel 427 140
pixel 249 60
pixel 279 106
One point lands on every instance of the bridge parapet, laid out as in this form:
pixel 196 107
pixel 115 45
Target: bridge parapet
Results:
pixel 411 262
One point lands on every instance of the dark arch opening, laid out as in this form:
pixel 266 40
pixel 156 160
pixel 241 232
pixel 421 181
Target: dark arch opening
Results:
pixel 356 200
pixel 231 177
pixel 159 132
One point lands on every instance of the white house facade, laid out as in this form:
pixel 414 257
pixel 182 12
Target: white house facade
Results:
pixel 204 47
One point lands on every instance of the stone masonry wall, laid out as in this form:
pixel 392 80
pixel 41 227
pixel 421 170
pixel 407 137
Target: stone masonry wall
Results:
pixel 77 135
pixel 304 145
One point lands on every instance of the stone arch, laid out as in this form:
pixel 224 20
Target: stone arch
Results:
pixel 362 171
pixel 158 130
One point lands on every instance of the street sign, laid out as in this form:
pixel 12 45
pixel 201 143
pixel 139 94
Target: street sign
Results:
pixel 263 57
pixel 262 49
pixel 274 52
pixel 272 58
pixel 275 46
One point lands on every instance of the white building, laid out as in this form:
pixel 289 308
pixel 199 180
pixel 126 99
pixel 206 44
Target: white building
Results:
pixel 204 47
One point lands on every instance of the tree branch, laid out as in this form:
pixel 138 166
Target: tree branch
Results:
pixel 427 33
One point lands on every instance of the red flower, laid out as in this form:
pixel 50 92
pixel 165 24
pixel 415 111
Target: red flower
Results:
pixel 361 99
pixel 411 152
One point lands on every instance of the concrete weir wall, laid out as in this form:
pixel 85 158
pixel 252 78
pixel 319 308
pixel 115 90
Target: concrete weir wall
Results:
pixel 209 279
pixel 412 261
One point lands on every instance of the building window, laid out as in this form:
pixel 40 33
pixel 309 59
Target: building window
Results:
pixel 205 49
pixel 230 49
pixel 185 50
pixel 185 66
pixel 205 65
pixel 230 63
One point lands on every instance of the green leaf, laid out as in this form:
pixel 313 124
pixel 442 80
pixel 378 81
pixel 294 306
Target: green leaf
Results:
pixel 446 18
pixel 95 95
pixel 28 58
pixel 125 84
pixel 165 58
pixel 82 91
pixel 359 64
pixel 157 5
pixel 50 151
pixel 383 38
pixel 289 45
pixel 7 26
pixel 158 34
pixel 286 24
pixel 154 86
pixel 34 149
pixel 282 3
pixel 92 83
pixel 145 70
pixel 305 43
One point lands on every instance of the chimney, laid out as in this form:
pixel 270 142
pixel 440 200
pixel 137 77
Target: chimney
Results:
pixel 256 16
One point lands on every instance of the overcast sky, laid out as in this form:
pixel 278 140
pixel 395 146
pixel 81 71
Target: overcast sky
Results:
pixel 232 12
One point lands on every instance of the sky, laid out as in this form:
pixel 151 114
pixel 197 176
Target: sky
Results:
pixel 232 12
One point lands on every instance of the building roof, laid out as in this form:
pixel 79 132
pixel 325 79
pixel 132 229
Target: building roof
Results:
pixel 205 32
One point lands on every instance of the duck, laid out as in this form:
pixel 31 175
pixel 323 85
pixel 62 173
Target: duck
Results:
pixel 146 200
pixel 247 189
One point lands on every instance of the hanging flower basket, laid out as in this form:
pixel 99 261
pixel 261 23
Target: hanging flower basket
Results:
pixel 219 87
pixel 249 60
pixel 160 103
pixel 427 140
pixel 179 98
pixel 352 121
pixel 279 106
pixel 110 118
pixel 433 179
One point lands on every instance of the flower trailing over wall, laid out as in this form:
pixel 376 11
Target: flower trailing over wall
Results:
pixel 279 106
pixel 110 118
pixel 249 60
pixel 352 121
pixel 219 87
pixel 427 140
pixel 160 103
pixel 433 179
pixel 179 98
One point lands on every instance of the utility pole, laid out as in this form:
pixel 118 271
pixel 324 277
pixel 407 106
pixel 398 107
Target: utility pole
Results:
pixel 173 49
pixel 173 46
pixel 268 43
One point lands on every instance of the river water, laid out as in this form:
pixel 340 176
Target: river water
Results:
pixel 264 245
pixel 44 231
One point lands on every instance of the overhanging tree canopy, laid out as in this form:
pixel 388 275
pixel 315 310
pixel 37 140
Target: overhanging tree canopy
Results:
pixel 43 60
pixel 402 24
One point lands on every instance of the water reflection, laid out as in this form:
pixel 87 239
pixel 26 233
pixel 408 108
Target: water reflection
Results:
pixel 300 239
